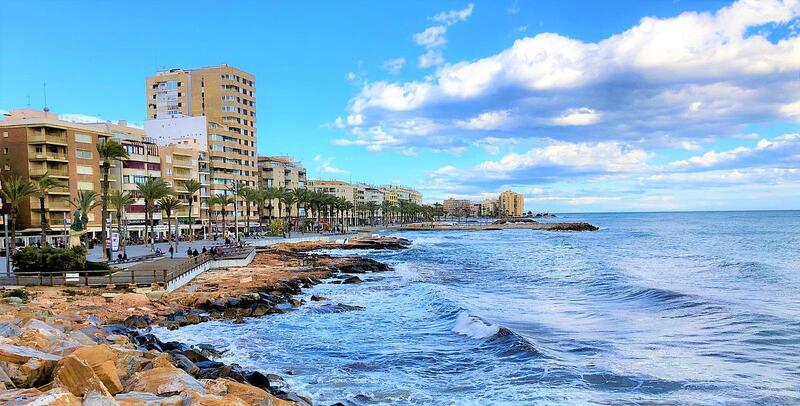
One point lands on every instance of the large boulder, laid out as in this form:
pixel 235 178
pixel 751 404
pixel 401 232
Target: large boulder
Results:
pixel 163 381
pixel 26 367
pixel 131 300
pixel 53 397
pixel 98 399
pixel 77 377
pixel 201 398
pixel 102 359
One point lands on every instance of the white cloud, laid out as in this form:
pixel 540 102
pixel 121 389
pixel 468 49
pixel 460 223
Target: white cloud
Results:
pixel 431 57
pixel 579 116
pixel 350 76
pixel 663 81
pixel 603 156
pixel 432 37
pixel 394 66
pixel 325 165
pixel 453 16
pixel 490 120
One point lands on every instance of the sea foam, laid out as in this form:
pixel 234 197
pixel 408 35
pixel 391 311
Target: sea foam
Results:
pixel 474 327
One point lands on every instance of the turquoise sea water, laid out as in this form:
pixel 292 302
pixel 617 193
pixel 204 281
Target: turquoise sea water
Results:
pixel 669 308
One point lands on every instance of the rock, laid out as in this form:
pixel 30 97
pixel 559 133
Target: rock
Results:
pixel 296 302
pixel 13 300
pixel 80 338
pixel 293 397
pixel 315 298
pixel 351 280
pixel 247 279
pixel 18 396
pixel 102 359
pixel 147 399
pixel 53 397
pixel 258 379
pixel 128 362
pixel 260 310
pixel 156 295
pixel 195 356
pixel 130 300
pixel 15 354
pixel 185 364
pixel 44 328
pixel 163 381
pixel 9 330
pixel 137 322
pixel 199 398
pixel 97 399
pixel 208 350
pixel 117 338
pixel 77 377
pixel 162 361
pixel 250 394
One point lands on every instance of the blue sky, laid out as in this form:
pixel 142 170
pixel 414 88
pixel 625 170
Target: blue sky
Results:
pixel 581 106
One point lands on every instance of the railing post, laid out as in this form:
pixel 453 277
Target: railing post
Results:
pixel 110 279
pixel 41 282
pixel 165 278
pixel 133 277
pixel 154 275
pixel 51 279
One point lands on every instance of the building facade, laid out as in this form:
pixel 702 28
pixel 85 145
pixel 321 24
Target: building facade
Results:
pixel 33 143
pixel 457 207
pixel 488 207
pixel 335 188
pixel 511 204
pixel 282 172
pixel 397 194
pixel 226 97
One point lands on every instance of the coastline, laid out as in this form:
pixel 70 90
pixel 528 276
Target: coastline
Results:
pixel 67 332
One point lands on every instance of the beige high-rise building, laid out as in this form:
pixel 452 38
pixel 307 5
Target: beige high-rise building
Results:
pixel 511 204
pixel 282 172
pixel 226 97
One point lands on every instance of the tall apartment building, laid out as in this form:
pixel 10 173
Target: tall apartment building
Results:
pixel 282 172
pixel 511 204
pixel 488 207
pixel 33 143
pixel 457 207
pixel 226 97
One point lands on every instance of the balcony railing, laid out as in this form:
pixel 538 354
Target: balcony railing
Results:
pixel 49 138
pixel 47 156
pixel 51 172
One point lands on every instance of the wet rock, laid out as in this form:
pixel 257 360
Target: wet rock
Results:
pixel 77 377
pixel 351 280
pixel 296 302
pixel 258 379
pixel 194 355
pixel 208 350
pixel 293 397
pixel 163 381
pixel 185 364
pixel 315 298
pixel 137 322
pixel 260 310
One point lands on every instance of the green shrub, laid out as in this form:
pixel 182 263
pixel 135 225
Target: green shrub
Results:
pixel 97 266
pixel 48 260
pixel 20 293
pixel 277 227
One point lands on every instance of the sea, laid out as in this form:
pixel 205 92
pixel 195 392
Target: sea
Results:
pixel 654 308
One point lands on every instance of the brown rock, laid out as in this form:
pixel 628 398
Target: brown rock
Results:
pixel 204 399
pixel 102 359
pixel 53 397
pixel 162 361
pixel 131 300
pixel 147 399
pixel 18 396
pixel 16 354
pixel 76 376
pixel 97 399
pixel 163 381
pixel 128 362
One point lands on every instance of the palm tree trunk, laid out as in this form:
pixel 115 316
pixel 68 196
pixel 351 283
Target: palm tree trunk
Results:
pixel 13 245
pixel 104 209
pixel 191 224
pixel 43 220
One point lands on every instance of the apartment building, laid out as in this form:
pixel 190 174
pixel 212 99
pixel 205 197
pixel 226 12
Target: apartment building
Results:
pixel 33 143
pixel 143 162
pixel 457 207
pixel 334 188
pixel 511 204
pixel 226 97
pixel 488 207
pixel 182 161
pixel 282 172
pixel 396 194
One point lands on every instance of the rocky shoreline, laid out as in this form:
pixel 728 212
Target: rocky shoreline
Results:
pixel 95 347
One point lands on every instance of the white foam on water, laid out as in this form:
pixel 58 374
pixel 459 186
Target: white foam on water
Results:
pixel 474 327
pixel 410 273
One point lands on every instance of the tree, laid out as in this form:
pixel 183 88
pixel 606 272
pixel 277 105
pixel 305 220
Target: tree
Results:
pixel 271 194
pixel 371 208
pixel 151 190
pixel 192 186
pixel 253 196
pixel 288 199
pixel 119 200
pixel 86 201
pixel 108 151
pixel 260 197
pixel 301 195
pixel 238 189
pixel 15 191
pixel 223 201
pixel 170 205
pixel 44 185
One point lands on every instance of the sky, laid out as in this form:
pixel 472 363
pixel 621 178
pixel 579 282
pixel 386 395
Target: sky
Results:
pixel 582 106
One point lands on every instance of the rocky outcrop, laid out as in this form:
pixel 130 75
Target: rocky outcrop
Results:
pixel 356 243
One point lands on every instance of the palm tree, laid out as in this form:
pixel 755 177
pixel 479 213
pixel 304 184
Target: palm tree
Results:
pixel 44 185
pixel 238 189
pixel 289 199
pixel 270 195
pixel 371 208
pixel 119 200
pixel 253 196
pixel 14 192
pixel 223 201
pixel 192 186
pixel 170 205
pixel 301 195
pixel 86 201
pixel 260 197
pixel 151 190
pixel 108 151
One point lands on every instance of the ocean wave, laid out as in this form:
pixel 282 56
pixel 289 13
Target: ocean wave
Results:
pixel 474 327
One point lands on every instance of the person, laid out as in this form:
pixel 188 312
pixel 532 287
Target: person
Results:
pixel 195 253
pixel 124 255
pixel 204 249
pixel 171 251
pixel 189 252
pixel 119 257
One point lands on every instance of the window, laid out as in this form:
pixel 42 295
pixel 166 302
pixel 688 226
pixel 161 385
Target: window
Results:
pixel 5 151
pixel 83 154
pixel 169 171
pixel 133 164
pixel 85 170
pixel 168 159
pixel 83 138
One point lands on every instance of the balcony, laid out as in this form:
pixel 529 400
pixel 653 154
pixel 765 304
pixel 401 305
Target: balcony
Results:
pixel 47 156
pixel 55 139
pixel 57 173
pixel 51 205
pixel 182 164
pixel 59 191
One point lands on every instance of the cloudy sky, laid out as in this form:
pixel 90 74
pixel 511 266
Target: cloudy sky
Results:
pixel 611 106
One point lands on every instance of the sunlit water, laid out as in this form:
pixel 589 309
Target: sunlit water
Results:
pixel 700 308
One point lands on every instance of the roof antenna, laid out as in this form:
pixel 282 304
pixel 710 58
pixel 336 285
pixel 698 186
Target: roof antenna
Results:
pixel 44 89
